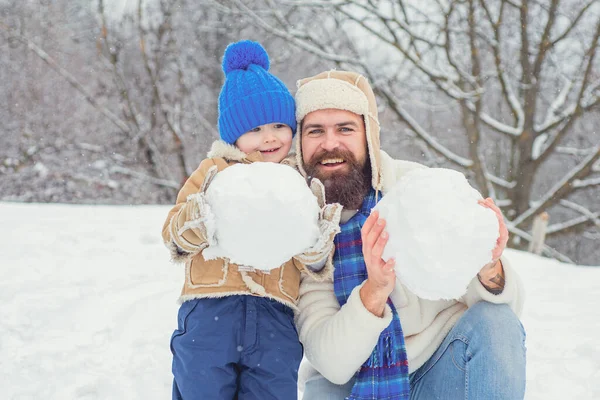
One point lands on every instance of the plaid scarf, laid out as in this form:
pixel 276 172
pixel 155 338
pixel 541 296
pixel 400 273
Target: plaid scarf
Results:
pixel 384 375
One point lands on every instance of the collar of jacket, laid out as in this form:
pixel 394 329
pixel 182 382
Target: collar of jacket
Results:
pixel 221 149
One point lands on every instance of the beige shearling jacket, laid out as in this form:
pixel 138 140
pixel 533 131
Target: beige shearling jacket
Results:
pixel 220 277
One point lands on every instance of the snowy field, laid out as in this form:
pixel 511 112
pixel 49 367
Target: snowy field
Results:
pixel 88 306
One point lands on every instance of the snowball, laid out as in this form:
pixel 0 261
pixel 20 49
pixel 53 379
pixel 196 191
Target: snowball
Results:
pixel 438 233
pixel 263 214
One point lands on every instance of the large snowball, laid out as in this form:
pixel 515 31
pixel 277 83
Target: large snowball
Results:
pixel 263 214
pixel 439 235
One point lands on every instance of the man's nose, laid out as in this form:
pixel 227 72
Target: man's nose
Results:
pixel 330 142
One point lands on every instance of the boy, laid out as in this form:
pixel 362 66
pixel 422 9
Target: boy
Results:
pixel 236 336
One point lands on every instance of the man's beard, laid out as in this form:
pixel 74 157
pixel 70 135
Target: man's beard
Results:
pixel 348 187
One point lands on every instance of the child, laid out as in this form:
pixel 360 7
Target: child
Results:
pixel 236 336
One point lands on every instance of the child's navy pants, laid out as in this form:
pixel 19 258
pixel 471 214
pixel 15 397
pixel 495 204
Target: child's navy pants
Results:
pixel 237 347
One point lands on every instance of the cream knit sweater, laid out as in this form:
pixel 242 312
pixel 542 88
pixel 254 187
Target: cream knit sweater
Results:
pixel 338 340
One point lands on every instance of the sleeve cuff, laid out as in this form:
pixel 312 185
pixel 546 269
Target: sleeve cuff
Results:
pixel 377 323
pixel 512 293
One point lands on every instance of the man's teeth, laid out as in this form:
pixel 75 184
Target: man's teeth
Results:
pixel 332 161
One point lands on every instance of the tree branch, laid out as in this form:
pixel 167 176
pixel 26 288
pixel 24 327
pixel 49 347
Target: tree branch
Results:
pixel 587 218
pixel 545 43
pixel 148 178
pixel 509 97
pixel 546 250
pixel 471 120
pixel 68 77
pixel 563 35
pixel 177 137
pixel 258 21
pixel 578 108
pixel 394 103
pixel 561 189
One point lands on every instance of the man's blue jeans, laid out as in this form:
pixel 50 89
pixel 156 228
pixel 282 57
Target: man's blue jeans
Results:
pixel 483 357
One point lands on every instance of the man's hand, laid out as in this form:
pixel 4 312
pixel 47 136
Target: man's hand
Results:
pixel 491 275
pixel 381 275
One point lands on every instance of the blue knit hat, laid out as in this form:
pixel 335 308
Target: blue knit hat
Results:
pixel 251 96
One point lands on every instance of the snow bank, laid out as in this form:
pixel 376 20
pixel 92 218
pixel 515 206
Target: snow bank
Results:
pixel 88 305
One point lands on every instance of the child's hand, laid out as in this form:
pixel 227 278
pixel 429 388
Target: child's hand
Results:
pixel 198 213
pixel 329 226
pixel 317 188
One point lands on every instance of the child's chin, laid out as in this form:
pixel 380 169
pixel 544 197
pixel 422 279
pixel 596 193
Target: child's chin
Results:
pixel 271 158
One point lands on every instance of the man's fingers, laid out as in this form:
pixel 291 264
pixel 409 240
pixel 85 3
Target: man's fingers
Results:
pixel 371 232
pixel 379 245
pixel 369 223
pixel 390 265
pixel 489 203
pixel 373 236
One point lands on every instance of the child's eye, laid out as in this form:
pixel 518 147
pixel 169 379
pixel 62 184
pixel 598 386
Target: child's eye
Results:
pixel 257 129
pixel 279 126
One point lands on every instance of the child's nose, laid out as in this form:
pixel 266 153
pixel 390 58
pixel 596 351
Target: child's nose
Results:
pixel 269 137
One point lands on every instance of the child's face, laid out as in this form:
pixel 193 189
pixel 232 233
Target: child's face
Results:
pixel 272 140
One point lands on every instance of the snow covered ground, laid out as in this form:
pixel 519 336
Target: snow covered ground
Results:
pixel 87 307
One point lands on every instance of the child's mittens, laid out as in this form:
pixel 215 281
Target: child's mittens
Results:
pixel 316 256
pixel 198 214
pixel 193 227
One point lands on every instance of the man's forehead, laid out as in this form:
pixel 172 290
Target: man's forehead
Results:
pixel 331 116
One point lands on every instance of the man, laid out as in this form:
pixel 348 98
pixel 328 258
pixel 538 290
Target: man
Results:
pixel 365 335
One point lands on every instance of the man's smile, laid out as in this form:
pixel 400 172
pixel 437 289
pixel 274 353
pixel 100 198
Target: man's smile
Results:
pixel 332 163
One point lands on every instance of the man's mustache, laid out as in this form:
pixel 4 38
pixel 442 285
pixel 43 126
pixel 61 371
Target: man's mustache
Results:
pixel 346 155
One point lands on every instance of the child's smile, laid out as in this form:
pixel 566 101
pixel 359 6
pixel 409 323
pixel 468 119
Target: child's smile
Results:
pixel 272 140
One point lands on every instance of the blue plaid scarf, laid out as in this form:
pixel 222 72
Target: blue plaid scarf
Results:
pixel 385 374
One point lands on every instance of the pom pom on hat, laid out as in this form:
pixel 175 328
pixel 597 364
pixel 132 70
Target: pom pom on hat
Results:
pixel 242 54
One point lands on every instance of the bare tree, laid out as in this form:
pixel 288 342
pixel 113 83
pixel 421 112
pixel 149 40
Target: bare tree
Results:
pixel 152 77
pixel 518 79
pixel 99 106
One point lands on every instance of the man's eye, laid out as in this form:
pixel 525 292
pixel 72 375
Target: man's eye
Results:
pixel 314 132
pixel 345 129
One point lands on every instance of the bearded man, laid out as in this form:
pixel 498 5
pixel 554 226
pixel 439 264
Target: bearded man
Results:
pixel 365 335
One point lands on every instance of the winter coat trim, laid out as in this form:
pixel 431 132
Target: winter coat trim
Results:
pixel 281 282
pixel 252 285
pixel 177 254
pixel 225 150
pixel 228 151
pixel 187 297
pixel 180 249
